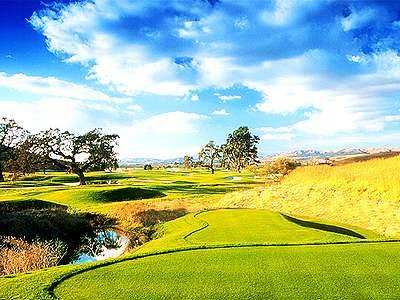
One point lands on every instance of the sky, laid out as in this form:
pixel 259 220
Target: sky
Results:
pixel 168 76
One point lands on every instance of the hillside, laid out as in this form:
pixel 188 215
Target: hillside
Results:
pixel 366 194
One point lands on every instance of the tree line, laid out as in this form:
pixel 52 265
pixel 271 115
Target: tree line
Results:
pixel 23 153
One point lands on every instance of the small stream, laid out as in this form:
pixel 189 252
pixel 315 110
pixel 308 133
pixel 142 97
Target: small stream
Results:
pixel 107 243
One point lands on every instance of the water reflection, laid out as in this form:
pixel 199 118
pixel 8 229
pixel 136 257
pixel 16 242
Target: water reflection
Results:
pixel 105 244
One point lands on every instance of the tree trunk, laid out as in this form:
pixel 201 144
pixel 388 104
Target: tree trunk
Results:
pixel 212 170
pixel 1 175
pixel 82 180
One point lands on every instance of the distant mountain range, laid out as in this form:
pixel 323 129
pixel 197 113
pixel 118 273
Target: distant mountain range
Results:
pixel 311 153
pixel 140 161
pixel 298 154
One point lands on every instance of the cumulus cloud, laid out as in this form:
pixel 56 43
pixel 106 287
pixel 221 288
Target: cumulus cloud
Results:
pixel 143 138
pixel 40 115
pixel 322 57
pixel 194 98
pixel 220 112
pixel 277 134
pixel 51 86
pixel 174 47
pixel 358 18
pixel 226 98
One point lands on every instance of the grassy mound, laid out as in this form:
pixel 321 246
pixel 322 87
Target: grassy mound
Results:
pixel 99 195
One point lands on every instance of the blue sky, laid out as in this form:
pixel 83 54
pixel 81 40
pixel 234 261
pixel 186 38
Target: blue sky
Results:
pixel 168 76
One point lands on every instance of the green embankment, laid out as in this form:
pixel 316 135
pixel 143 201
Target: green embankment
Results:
pixel 251 254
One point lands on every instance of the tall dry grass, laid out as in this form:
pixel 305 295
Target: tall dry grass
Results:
pixel 366 194
pixel 18 255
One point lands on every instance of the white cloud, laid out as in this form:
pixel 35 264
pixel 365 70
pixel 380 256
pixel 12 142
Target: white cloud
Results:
pixel 357 19
pixel 164 135
pixel 392 118
pixel 41 114
pixel 125 67
pixel 278 134
pixel 225 98
pixel 194 98
pixel 354 58
pixel 134 108
pixel 221 112
pixel 53 87
pixel 177 122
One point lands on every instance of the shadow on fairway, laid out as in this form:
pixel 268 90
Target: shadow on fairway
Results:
pixel 325 227
pixel 30 204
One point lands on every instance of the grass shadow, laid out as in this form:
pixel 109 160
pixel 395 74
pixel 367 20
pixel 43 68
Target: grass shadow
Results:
pixel 325 227
pixel 124 194
pixel 29 204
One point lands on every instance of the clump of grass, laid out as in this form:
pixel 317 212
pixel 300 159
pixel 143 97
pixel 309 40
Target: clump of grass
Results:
pixel 18 255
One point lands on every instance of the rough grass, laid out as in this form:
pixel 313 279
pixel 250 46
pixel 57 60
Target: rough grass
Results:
pixel 365 194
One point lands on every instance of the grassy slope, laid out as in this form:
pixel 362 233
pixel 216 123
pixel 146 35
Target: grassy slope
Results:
pixel 366 194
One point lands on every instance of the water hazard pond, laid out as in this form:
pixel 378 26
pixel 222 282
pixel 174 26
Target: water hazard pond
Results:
pixel 105 244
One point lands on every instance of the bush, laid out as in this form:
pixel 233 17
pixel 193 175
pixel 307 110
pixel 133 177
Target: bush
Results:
pixel 277 168
pixel 148 167
pixel 18 255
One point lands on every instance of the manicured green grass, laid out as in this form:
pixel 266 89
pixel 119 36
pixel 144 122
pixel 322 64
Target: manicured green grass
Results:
pixel 256 226
pixel 99 195
pixel 242 227
pixel 217 228
pixel 136 184
pixel 304 272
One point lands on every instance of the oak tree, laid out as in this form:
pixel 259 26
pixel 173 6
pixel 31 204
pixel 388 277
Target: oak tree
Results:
pixel 10 135
pixel 209 155
pixel 240 149
pixel 79 153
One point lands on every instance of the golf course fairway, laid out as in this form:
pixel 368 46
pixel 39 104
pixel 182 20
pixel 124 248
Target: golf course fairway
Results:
pixel 245 254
